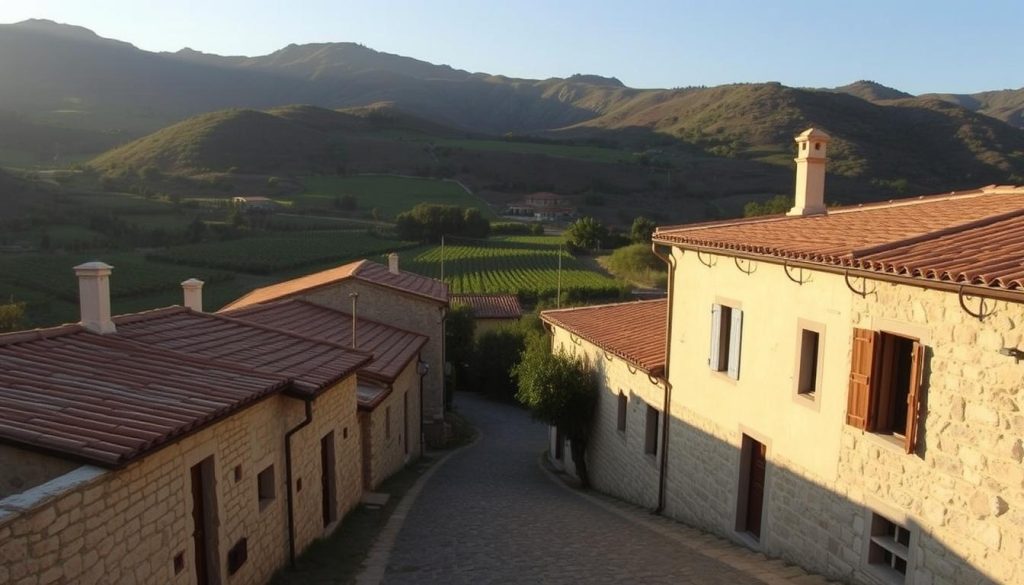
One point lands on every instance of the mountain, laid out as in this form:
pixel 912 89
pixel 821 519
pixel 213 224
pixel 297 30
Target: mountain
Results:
pixel 872 91
pixel 1006 105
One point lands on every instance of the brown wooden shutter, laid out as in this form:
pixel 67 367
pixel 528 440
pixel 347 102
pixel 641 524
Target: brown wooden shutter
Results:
pixel 914 397
pixel 859 399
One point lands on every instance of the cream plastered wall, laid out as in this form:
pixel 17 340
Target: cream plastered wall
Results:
pixel 404 311
pixel 961 493
pixel 127 526
pixel 389 454
pixel 617 462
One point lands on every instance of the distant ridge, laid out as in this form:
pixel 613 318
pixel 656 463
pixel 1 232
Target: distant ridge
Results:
pixel 872 91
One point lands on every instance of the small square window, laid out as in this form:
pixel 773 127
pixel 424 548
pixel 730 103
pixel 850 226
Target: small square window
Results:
pixel 387 422
pixel 651 433
pixel 623 402
pixel 889 548
pixel 265 487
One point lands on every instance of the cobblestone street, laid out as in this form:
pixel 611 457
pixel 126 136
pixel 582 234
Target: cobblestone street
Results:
pixel 491 515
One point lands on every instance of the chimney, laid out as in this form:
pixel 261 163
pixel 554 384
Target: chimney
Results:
pixel 94 296
pixel 393 263
pixel 810 172
pixel 193 289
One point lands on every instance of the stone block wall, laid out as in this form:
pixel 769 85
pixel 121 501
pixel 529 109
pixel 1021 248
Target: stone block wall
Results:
pixel 389 453
pixel 128 525
pixel 404 311
pixel 617 462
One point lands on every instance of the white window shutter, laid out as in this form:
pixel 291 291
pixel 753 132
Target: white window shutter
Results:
pixel 735 335
pixel 716 337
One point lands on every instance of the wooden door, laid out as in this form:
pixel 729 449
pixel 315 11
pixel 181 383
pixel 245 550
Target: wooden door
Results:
pixel 327 478
pixel 755 487
pixel 200 530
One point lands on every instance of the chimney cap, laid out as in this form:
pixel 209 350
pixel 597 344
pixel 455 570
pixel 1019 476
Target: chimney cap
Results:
pixel 95 266
pixel 193 283
pixel 813 134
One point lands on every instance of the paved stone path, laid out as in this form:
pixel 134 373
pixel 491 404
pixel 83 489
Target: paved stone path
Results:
pixel 492 515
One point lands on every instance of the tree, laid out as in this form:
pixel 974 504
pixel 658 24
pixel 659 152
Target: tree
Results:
pixel 428 223
pixel 562 391
pixel 642 230
pixel 775 205
pixel 497 353
pixel 12 316
pixel 196 230
pixel 586 233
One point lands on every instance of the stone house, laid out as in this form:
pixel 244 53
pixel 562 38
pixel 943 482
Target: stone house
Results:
pixel 384 294
pixel 543 206
pixel 389 387
pixel 170 446
pixel 490 311
pixel 843 384
pixel 631 373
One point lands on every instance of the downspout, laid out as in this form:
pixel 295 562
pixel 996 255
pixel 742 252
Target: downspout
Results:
pixel 288 477
pixel 663 468
pixel 444 361
pixel 422 371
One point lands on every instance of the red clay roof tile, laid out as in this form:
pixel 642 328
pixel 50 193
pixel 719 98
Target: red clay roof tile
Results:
pixel 972 237
pixel 495 306
pixel 364 270
pixel 633 331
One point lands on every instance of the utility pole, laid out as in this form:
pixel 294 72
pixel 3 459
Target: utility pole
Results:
pixel 558 297
pixel 355 301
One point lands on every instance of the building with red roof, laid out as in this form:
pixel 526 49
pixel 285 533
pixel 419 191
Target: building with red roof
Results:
pixel 832 386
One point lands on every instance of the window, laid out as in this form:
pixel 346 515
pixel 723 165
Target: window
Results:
pixel 809 361
pixel 885 385
pixel 651 433
pixel 889 547
pixel 265 488
pixel 726 333
pixel 387 423
pixel 623 402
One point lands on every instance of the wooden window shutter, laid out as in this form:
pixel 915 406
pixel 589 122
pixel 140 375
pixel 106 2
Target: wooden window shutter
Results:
pixel 714 357
pixel 865 341
pixel 914 397
pixel 735 335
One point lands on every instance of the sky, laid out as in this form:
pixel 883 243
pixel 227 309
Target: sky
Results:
pixel 916 46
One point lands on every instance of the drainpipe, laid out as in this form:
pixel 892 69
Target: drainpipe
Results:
pixel 288 477
pixel 669 260
pixel 422 368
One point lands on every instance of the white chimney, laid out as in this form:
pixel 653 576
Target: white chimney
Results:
pixel 193 289
pixel 393 263
pixel 810 172
pixel 94 296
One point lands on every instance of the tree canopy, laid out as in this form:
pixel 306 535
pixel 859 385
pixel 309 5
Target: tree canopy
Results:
pixel 562 391
pixel 586 233
pixel 429 222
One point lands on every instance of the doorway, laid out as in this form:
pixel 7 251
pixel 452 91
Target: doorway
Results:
pixel 204 526
pixel 750 506
pixel 327 481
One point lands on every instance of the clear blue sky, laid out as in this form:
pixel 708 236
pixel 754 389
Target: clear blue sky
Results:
pixel 917 46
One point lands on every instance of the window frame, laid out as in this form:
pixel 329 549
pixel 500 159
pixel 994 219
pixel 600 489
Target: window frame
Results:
pixel 725 351
pixel 622 412
pixel 879 543
pixel 872 351
pixel 810 399
pixel 266 487
pixel 651 435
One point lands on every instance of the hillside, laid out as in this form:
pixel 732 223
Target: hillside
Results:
pixel 871 91
pixel 927 143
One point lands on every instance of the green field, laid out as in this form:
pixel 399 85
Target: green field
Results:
pixel 389 195
pixel 278 252
pixel 592 153
pixel 501 266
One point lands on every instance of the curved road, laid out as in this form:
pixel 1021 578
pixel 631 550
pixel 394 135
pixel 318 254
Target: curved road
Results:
pixel 491 515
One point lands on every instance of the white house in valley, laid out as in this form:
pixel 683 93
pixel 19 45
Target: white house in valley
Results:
pixel 842 386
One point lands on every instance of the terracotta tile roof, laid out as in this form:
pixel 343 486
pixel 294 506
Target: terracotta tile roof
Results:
pixel 971 237
pixel 313 364
pixel 106 400
pixel 495 306
pixel 392 348
pixel 633 331
pixel 364 270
